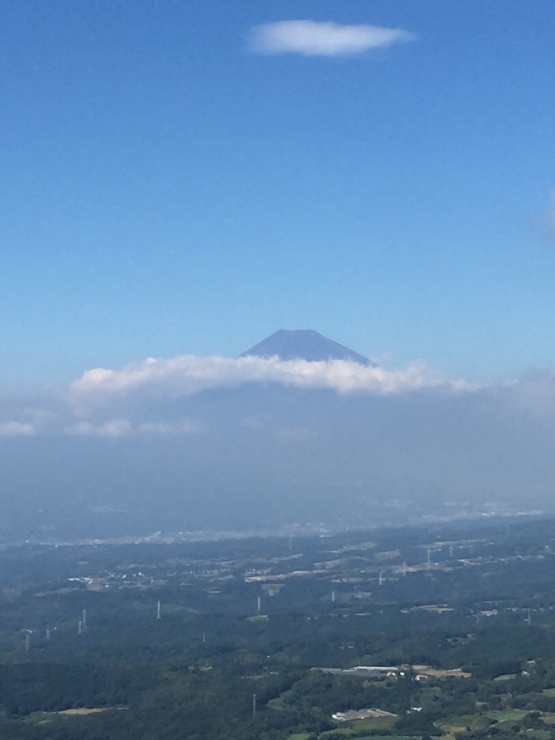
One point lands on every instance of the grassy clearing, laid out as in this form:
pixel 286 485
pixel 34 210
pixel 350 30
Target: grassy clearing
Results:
pixel 389 737
pixel 504 715
pixel 43 718
pixel 458 723
pixel 370 723
pixel 505 677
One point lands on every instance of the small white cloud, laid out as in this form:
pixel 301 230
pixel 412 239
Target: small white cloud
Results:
pixel 112 428
pixel 186 426
pixel 314 38
pixel 16 429
pixel 291 434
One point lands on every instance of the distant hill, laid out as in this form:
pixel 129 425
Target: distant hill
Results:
pixel 303 344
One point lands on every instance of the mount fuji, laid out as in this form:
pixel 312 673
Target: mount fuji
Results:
pixel 303 344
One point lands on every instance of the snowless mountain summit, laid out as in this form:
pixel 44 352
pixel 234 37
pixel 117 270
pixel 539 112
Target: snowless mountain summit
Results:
pixel 303 344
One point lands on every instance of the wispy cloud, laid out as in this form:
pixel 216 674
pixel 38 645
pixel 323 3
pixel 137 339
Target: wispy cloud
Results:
pixel 112 428
pixel 17 429
pixel 314 38
pixel 116 428
pixel 188 374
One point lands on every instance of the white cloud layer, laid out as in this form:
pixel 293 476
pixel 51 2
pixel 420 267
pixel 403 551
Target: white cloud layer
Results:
pixel 188 374
pixel 153 398
pixel 313 38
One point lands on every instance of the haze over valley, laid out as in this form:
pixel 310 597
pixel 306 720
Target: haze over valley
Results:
pixel 319 438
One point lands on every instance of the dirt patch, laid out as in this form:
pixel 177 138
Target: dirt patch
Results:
pixel 425 670
pixel 437 608
pixel 83 711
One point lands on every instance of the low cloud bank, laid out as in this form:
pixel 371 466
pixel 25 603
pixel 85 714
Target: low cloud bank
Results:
pixel 192 441
pixel 188 374
pixel 165 397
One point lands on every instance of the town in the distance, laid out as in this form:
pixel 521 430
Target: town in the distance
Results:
pixel 443 630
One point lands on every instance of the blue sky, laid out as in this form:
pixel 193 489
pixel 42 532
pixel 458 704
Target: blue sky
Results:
pixel 181 178
pixel 168 188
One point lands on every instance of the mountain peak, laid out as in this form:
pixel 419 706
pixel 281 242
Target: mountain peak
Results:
pixel 303 344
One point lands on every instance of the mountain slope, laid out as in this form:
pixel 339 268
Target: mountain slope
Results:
pixel 303 344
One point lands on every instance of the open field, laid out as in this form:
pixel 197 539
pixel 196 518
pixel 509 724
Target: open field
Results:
pixel 426 670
